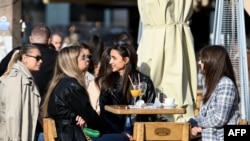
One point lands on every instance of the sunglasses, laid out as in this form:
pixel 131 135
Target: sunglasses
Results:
pixel 38 58
pixel 85 57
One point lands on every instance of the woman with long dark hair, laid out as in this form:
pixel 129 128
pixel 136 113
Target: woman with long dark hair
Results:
pixel 116 85
pixel 220 95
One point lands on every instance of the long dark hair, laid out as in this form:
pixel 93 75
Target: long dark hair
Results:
pixel 124 37
pixel 104 69
pixel 217 64
pixel 97 47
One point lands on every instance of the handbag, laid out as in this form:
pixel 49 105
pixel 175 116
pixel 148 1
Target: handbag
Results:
pixel 91 132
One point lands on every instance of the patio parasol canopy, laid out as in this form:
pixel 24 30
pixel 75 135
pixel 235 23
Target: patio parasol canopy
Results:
pixel 166 50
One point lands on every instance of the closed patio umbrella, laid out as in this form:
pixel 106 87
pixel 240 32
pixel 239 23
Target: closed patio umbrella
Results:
pixel 166 50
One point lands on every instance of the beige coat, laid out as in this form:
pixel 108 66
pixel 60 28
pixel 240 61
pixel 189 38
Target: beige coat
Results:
pixel 89 78
pixel 19 105
pixel 94 93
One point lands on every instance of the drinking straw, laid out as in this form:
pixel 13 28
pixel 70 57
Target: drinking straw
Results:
pixel 130 80
pixel 139 79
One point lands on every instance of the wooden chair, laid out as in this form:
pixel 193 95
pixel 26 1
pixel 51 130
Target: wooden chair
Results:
pixel 243 122
pixel 198 102
pixel 161 131
pixel 49 129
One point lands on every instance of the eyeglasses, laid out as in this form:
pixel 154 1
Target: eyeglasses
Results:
pixel 38 58
pixel 88 56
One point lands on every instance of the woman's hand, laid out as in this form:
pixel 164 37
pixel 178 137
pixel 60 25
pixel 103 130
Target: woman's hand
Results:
pixel 129 136
pixel 80 121
pixel 195 131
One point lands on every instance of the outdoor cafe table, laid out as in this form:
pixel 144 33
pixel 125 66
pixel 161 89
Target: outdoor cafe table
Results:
pixel 124 110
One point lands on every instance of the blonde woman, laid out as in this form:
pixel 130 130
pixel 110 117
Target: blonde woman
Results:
pixel 19 96
pixel 67 100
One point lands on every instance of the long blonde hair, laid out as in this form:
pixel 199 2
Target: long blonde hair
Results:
pixel 66 64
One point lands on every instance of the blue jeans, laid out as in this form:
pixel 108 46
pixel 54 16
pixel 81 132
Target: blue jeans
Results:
pixel 40 137
pixel 112 137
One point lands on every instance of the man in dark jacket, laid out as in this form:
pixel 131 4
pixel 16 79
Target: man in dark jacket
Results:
pixel 5 61
pixel 40 37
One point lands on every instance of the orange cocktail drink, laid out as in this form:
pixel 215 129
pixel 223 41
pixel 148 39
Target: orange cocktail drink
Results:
pixel 135 93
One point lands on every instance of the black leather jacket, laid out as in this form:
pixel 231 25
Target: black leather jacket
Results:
pixel 68 100
pixel 115 123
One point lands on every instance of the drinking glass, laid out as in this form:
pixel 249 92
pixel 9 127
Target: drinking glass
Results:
pixel 135 92
pixel 143 88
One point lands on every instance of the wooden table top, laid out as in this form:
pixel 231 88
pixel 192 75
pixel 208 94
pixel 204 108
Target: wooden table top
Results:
pixel 124 110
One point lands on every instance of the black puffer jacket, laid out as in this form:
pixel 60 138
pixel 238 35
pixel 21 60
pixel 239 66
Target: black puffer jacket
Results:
pixel 115 123
pixel 68 100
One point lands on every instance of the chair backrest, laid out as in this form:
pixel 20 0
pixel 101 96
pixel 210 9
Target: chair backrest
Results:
pixel 49 129
pixel 161 131
pixel 198 102
pixel 243 122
